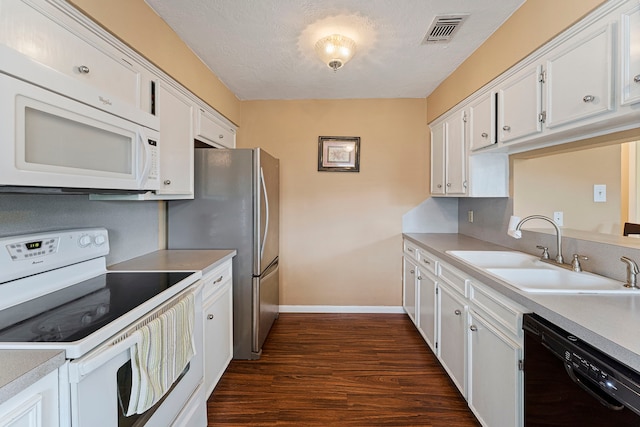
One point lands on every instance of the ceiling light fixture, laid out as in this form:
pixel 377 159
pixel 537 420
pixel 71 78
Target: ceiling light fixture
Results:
pixel 335 50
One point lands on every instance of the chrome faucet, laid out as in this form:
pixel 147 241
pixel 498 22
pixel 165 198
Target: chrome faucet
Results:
pixel 632 272
pixel 559 257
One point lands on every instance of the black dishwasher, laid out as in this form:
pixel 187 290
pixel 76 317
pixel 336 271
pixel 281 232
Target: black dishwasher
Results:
pixel 567 382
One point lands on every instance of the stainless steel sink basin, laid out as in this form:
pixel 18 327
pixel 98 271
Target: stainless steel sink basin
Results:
pixel 499 259
pixel 558 280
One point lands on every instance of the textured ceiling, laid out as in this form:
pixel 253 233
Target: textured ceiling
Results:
pixel 264 49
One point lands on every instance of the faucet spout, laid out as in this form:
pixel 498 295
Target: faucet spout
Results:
pixel 559 257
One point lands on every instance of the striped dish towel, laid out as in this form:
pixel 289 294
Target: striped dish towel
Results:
pixel 163 349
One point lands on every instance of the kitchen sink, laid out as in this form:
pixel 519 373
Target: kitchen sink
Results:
pixel 499 259
pixel 558 280
pixel 527 273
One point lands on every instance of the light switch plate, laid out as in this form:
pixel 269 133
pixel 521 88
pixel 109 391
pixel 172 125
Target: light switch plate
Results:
pixel 599 193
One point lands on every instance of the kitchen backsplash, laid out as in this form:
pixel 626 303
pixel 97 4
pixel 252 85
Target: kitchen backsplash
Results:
pixel 133 226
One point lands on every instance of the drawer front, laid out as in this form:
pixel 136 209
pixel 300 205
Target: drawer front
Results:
pixel 427 262
pixel 210 129
pixel 411 250
pixel 507 313
pixel 454 278
pixel 37 36
pixel 216 279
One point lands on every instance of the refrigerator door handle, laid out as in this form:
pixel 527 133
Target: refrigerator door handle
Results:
pixel 266 219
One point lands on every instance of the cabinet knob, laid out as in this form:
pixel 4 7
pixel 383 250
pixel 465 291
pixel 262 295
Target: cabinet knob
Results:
pixel 457 312
pixel 83 69
pixel 409 250
pixel 210 317
pixel 439 185
pixel 419 277
pixel 484 135
pixel 473 328
pixel 167 182
pixel 506 128
pixel 448 184
pixel 637 78
pixel 426 261
pixel 411 271
pixel 218 280
pixel 588 98
pixel 221 136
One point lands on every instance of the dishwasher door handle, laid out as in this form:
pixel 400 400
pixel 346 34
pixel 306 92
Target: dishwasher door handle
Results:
pixel 610 403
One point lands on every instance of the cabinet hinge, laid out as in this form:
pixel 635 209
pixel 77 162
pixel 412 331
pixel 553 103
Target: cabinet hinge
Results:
pixel 542 77
pixel 521 365
pixel 542 117
pixel 437 290
pixel 464 117
pixel 436 344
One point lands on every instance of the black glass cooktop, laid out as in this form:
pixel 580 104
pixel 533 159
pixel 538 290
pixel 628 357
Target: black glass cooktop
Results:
pixel 75 312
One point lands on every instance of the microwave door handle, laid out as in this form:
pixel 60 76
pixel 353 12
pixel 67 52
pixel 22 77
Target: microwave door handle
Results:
pixel 266 208
pixel 93 362
pixel 147 159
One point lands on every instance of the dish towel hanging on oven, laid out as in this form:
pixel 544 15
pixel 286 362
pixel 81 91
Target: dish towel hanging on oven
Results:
pixel 163 349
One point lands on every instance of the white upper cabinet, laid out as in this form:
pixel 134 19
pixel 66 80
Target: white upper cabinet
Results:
pixel 520 105
pixel 579 78
pixel 52 40
pixel 213 130
pixel 630 55
pixel 584 83
pixel 448 156
pixel 482 121
pixel 175 110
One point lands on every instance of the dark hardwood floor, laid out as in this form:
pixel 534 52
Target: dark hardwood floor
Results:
pixel 339 370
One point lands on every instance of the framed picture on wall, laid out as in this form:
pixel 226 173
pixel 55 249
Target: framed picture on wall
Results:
pixel 339 153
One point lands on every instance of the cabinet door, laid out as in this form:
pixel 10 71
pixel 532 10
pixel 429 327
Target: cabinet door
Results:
pixel 438 135
pixel 482 122
pixel 409 276
pixel 427 309
pixel 495 382
pixel 176 150
pixel 70 50
pixel 456 160
pixel 579 78
pixel 452 343
pixel 211 129
pixel 520 105
pixel 630 56
pixel 218 337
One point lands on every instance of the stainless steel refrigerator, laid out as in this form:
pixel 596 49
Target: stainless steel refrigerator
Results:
pixel 236 206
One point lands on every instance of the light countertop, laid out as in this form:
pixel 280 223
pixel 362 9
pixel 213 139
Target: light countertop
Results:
pixel 610 322
pixel 177 260
pixel 21 368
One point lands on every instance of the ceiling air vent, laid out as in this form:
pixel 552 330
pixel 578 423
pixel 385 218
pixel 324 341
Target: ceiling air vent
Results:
pixel 443 28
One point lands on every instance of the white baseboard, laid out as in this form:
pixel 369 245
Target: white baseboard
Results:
pixel 341 309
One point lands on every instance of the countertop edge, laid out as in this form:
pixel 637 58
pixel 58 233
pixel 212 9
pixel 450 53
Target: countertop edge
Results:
pixel 620 349
pixel 26 367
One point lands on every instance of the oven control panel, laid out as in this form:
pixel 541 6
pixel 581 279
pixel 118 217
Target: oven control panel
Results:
pixel 29 254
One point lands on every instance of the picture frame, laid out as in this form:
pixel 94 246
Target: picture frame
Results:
pixel 339 153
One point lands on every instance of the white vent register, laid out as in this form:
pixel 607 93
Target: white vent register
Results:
pixel 443 28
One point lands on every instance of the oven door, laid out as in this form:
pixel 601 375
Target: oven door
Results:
pixel 100 386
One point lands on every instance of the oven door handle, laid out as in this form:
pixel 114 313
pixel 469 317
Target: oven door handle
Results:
pixel 84 366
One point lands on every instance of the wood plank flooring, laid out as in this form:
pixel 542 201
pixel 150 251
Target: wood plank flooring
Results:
pixel 339 370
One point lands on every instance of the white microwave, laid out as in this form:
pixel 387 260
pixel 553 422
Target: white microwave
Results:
pixel 51 140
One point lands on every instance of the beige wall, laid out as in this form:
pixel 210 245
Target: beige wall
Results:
pixel 134 22
pixel 564 182
pixel 341 232
pixel 532 25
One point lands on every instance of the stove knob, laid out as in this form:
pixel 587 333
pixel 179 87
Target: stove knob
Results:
pixel 86 319
pixel 99 240
pixel 84 241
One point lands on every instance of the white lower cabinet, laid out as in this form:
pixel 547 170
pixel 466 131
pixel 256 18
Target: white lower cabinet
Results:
pixel 495 379
pixel 218 326
pixel 427 309
pixel 475 331
pixel 409 278
pixel 453 336
pixel 35 406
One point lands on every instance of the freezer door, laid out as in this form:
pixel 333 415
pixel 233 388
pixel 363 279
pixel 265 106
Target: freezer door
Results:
pixel 267 218
pixel 266 304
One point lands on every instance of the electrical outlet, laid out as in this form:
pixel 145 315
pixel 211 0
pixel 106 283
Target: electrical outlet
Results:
pixel 558 218
pixel 470 216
